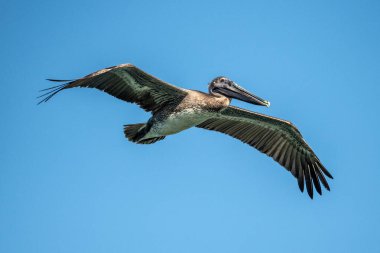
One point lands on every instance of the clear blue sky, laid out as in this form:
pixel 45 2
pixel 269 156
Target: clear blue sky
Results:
pixel 71 182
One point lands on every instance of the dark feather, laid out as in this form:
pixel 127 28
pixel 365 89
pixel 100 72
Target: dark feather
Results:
pixel 275 137
pixel 128 83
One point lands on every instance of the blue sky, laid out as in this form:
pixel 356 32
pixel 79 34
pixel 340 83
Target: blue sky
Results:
pixel 71 182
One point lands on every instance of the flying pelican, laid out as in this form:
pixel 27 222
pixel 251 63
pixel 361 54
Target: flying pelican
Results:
pixel 175 109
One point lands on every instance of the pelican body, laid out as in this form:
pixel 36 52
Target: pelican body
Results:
pixel 176 109
pixel 190 112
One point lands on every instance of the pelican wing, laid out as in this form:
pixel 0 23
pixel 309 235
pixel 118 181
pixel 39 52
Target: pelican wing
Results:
pixel 127 83
pixel 278 139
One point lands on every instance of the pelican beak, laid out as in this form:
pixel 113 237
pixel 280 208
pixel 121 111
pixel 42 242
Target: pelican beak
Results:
pixel 235 91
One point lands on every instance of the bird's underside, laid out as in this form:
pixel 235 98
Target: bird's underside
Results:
pixel 175 109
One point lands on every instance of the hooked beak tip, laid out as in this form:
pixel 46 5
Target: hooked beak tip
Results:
pixel 267 103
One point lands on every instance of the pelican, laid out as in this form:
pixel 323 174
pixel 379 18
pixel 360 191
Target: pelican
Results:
pixel 175 109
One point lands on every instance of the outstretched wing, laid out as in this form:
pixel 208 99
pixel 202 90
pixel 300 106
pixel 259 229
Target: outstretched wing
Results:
pixel 275 137
pixel 127 83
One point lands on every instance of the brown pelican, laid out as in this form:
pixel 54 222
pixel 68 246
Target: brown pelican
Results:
pixel 175 109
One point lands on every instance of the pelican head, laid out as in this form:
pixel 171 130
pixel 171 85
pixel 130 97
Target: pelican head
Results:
pixel 228 88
